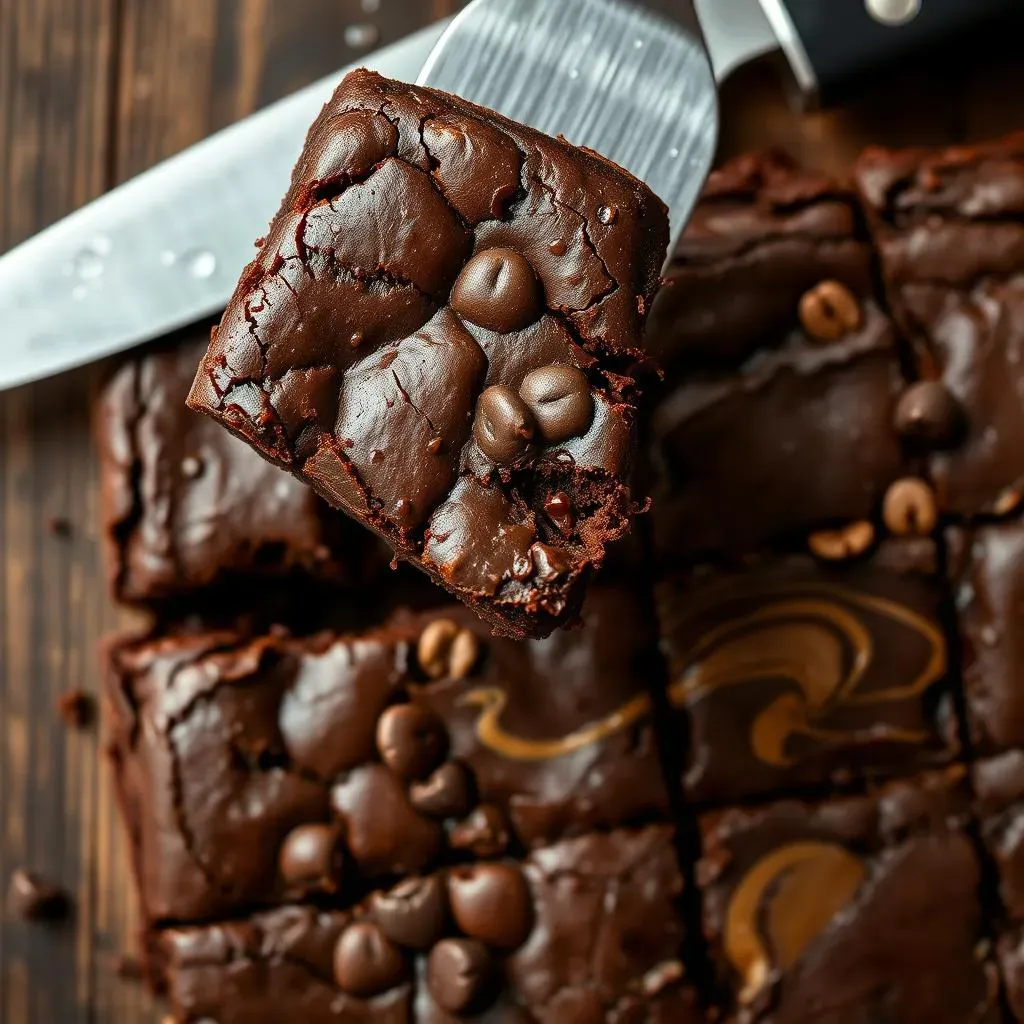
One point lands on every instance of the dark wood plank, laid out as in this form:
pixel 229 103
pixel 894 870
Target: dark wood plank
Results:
pixel 55 105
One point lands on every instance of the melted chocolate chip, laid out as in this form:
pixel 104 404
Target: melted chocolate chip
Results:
pixel 560 400
pixel 503 427
pixel 460 975
pixel 558 508
pixel 929 414
pixel 311 859
pixel 411 740
pixel 413 914
pixel 499 291
pixel 445 794
pixel 548 563
pixel 485 833
pixel 491 902
pixel 366 962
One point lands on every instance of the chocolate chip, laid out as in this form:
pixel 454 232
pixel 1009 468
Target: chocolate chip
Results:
pixel 829 311
pixel 484 833
pixel 76 708
pixel 446 650
pixel 558 508
pixel 548 563
pixel 460 975
pixel 412 741
pixel 559 398
pixel 837 545
pixel 311 859
pixel 366 962
pixel 491 902
pixel 32 898
pixel 414 913
pixel 929 414
pixel 445 794
pixel 909 508
pixel 504 427
pixel 499 291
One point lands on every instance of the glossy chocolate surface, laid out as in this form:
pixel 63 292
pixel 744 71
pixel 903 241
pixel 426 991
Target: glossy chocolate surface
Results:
pixel 428 260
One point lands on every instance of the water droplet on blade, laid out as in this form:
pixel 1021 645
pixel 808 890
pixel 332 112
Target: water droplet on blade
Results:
pixel 361 37
pixel 87 265
pixel 202 264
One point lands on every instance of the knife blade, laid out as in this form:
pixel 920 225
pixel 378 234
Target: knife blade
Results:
pixel 165 249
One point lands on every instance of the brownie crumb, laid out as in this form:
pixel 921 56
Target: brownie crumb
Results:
pixel 77 709
pixel 58 526
pixel 128 968
pixel 32 898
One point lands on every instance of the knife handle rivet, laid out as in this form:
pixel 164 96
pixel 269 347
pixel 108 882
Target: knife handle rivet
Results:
pixel 893 12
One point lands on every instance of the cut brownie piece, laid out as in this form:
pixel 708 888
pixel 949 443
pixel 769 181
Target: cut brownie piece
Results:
pixel 777 418
pixel 949 230
pixel 275 966
pixel 850 911
pixel 186 505
pixel 999 798
pixel 421 743
pixel 439 334
pixel 764 233
pixel 793 674
pixel 583 931
pixel 987 564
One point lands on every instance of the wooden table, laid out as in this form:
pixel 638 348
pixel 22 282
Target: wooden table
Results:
pixel 91 92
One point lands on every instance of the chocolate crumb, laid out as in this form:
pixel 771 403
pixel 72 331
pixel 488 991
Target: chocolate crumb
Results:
pixel 58 526
pixel 32 898
pixel 128 967
pixel 76 708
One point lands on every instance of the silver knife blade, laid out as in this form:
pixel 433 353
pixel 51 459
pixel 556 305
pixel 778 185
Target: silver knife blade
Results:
pixel 165 249
pixel 606 74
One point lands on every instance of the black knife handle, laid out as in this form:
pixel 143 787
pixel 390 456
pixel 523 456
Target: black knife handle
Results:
pixel 835 45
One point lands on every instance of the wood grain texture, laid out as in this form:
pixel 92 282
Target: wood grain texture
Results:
pixel 91 92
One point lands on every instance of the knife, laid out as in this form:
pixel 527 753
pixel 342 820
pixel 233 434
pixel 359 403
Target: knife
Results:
pixel 165 249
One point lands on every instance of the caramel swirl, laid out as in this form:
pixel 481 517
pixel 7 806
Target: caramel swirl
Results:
pixel 816 641
pixel 491 734
pixel 782 904
pixel 809 634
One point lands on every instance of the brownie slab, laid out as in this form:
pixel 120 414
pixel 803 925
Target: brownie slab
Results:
pixel 784 374
pixel 792 673
pixel 948 229
pixel 185 505
pixel 864 909
pixel 425 742
pixel 582 931
pixel 439 335
pixel 988 575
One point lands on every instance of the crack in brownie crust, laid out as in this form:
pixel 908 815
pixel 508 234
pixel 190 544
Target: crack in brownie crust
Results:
pixel 439 335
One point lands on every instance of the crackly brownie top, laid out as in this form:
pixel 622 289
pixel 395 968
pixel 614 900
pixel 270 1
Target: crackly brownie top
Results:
pixel 441 326
pixel 186 505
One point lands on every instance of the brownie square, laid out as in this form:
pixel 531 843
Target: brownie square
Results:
pixel 790 673
pixel 987 566
pixel 999 803
pixel 439 335
pixel 585 930
pixel 417 744
pixel 1010 952
pixel 274 966
pixel 785 376
pixel 186 506
pixel 764 233
pixel 849 911
pixel 948 228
